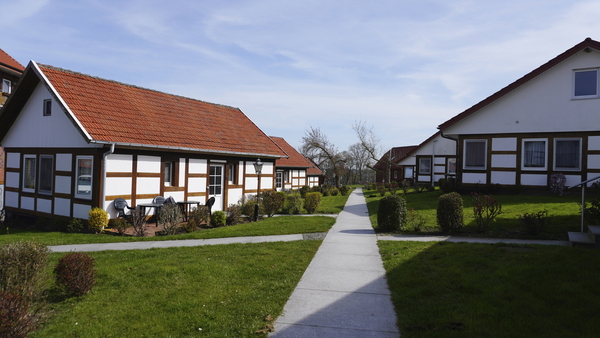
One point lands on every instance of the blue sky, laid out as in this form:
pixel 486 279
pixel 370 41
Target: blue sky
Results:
pixel 403 67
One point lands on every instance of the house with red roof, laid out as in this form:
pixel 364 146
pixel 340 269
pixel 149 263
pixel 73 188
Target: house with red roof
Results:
pixel 74 142
pixel 10 72
pixel 545 122
pixel 295 171
pixel 433 159
pixel 386 169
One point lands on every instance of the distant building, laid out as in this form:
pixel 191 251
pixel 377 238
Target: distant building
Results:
pixel 386 169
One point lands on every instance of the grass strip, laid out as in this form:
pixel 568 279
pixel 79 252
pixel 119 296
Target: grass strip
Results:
pixel 492 290
pixel 216 291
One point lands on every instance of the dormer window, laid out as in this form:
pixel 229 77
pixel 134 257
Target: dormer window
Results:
pixel 585 83
pixel 47 107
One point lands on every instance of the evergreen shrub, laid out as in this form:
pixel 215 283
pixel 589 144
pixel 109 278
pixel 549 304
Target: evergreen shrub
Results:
pixel 98 219
pixel 312 201
pixel 450 213
pixel 218 219
pixel 391 215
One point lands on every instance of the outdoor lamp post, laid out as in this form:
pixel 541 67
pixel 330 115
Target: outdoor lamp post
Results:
pixel 258 169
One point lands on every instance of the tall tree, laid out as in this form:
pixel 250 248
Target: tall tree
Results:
pixel 317 147
pixel 369 141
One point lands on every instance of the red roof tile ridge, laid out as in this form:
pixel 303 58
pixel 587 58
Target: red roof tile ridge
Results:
pixel 129 85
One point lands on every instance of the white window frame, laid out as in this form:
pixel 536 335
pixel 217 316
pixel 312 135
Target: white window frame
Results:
pixel 232 168
pixel 545 167
pixel 556 140
pixel 169 173
pixel 595 95
pixel 422 167
pixel 32 172
pixel 77 174
pixel 485 154
pixel 42 175
pixel 6 86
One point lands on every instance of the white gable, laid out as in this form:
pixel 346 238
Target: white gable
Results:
pixel 438 146
pixel 33 129
pixel 544 104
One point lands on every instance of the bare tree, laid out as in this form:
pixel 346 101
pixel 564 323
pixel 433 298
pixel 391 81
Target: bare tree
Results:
pixel 370 143
pixel 325 154
pixel 359 159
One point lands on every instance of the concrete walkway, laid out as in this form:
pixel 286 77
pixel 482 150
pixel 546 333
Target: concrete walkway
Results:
pixel 343 292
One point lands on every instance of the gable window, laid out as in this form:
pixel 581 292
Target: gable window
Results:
pixel 475 154
pixel 47 107
pixel 46 174
pixel 29 169
pixel 534 154
pixel 6 86
pixel 424 166
pixel 585 83
pixel 567 154
pixel 83 186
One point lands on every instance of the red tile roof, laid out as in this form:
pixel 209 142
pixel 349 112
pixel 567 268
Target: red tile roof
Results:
pixel 295 159
pixel 114 112
pixel 587 43
pixel 397 154
pixel 7 62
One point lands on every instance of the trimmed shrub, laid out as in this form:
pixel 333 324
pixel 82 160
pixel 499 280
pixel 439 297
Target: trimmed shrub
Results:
pixel 316 188
pixel 196 218
pixel 271 202
pixel 312 201
pixel 75 225
pixel 450 213
pixel 22 266
pixel 98 219
pixel 15 319
pixel 535 223
pixel 75 273
pixel 334 191
pixel 558 183
pixel 248 206
pixel 391 214
pixel 218 219
pixel 303 190
pixel 120 225
pixel 344 190
pixel 293 203
pixel 447 185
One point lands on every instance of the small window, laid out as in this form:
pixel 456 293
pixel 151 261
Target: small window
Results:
pixel 425 166
pixel 29 169
pixel 169 173
pixel 452 166
pixel 231 174
pixel 395 174
pixel 46 174
pixel 408 172
pixel 534 154
pixel 475 154
pixel 586 83
pixel 47 107
pixel 6 86
pixel 84 177
pixel 567 154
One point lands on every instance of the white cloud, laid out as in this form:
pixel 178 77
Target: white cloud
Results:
pixel 15 10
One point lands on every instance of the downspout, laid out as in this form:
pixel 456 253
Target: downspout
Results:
pixel 104 156
pixel 433 164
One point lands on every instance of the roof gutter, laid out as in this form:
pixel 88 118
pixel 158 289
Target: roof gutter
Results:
pixel 195 150
pixel 104 156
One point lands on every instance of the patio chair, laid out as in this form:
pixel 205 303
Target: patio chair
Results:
pixel 158 200
pixel 120 205
pixel 210 203
pixel 170 200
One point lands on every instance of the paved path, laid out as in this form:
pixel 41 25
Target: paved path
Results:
pixel 343 292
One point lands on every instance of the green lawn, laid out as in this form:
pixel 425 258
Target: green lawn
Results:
pixel 481 290
pixel 211 291
pixel 565 212
pixel 268 226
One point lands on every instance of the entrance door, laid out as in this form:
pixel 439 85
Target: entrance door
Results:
pixel 215 185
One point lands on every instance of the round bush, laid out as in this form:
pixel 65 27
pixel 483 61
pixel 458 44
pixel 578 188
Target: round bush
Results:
pixel 75 273
pixel 218 219
pixel 391 214
pixel 450 212
pixel 312 201
pixel 98 219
